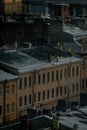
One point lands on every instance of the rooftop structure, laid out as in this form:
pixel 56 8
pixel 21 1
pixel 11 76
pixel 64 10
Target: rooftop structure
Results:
pixel 34 58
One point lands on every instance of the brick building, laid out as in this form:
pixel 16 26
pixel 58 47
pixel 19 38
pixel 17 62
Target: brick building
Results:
pixel 8 98
pixel 46 75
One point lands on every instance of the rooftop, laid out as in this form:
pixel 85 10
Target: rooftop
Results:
pixel 6 76
pixel 35 58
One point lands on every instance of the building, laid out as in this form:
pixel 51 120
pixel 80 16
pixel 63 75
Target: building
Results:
pixel 8 98
pixel 46 75
pixel 12 6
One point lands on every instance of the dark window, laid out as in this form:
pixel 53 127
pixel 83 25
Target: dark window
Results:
pixel 77 71
pixel 48 76
pixel 82 83
pixel 86 82
pixel 73 88
pixel 29 98
pixel 34 97
pixel 65 90
pixel 56 91
pixel 29 80
pixel 0 91
pixel 60 91
pixel 52 75
pixel 77 87
pixel 65 72
pixel 20 83
pixel 13 88
pixel 43 95
pixel 8 90
pixel 73 71
pixel 43 77
pixel 53 93
pixel 25 100
pixel 25 81
pixel 39 78
pixel 0 110
pixel 57 74
pixel 8 108
pixel 60 74
pixel 13 107
pixel 48 94
pixel 20 101
pixel 39 96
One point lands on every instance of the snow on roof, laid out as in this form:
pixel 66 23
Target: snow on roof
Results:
pixel 6 76
pixel 25 61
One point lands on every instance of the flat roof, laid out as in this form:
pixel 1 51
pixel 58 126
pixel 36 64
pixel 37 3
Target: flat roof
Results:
pixel 35 58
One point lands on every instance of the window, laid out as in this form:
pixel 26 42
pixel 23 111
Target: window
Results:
pixel 20 83
pixel 47 94
pixel 13 89
pixel 57 92
pixel 73 88
pixel 43 95
pixel 77 87
pixel 8 108
pixel 34 97
pixel 65 90
pixel 8 90
pixel 0 90
pixel 39 78
pixel 13 107
pixel 73 71
pixel 60 74
pixel 65 72
pixel 82 83
pixel 60 91
pixel 48 76
pixel 43 77
pixel 86 82
pixel 53 93
pixel 52 75
pixel 0 110
pixel 77 71
pixel 25 82
pixel 57 74
pixel 20 101
pixel 29 98
pixel 39 94
pixel 29 80
pixel 25 100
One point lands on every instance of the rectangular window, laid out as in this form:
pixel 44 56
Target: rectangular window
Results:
pixel 29 80
pixel 34 97
pixel 57 92
pixel 52 75
pixel 48 76
pixel 77 87
pixel 48 93
pixel 60 74
pixel 39 78
pixel 0 90
pixel 86 82
pixel 20 101
pixel 53 93
pixel 65 73
pixel 57 74
pixel 82 83
pixel 13 89
pixel 73 88
pixel 29 98
pixel 13 107
pixel 8 108
pixel 0 110
pixel 39 96
pixel 20 83
pixel 25 100
pixel 77 71
pixel 65 90
pixel 73 71
pixel 8 90
pixel 43 95
pixel 60 91
pixel 25 82
pixel 43 77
